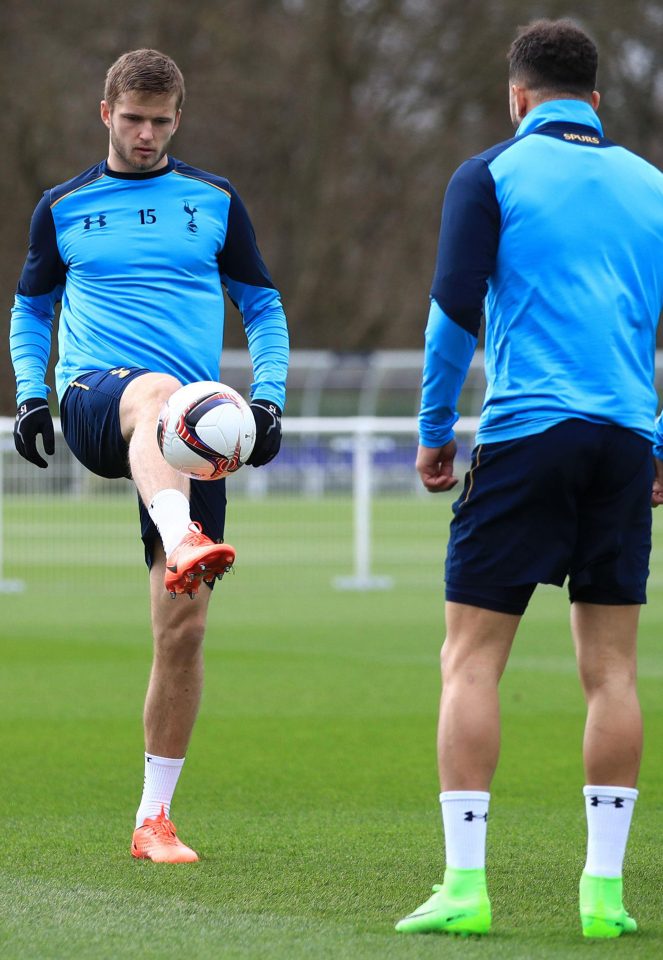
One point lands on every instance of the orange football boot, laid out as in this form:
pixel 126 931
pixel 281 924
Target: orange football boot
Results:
pixel 157 840
pixel 196 558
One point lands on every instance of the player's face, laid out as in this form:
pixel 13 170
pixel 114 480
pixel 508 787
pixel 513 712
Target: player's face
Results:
pixel 141 126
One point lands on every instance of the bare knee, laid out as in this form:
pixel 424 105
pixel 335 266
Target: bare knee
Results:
pixel 143 398
pixel 458 663
pixel 181 641
pixel 602 678
pixel 477 644
pixel 606 642
pixel 605 668
pixel 471 664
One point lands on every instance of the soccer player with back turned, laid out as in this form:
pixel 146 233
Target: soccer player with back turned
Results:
pixel 137 250
pixel 558 235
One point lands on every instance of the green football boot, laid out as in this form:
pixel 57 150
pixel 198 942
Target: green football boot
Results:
pixel 459 905
pixel 602 912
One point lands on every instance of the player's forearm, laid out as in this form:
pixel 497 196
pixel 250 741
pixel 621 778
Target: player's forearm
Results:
pixel 658 437
pixel 30 345
pixel 269 348
pixel 449 350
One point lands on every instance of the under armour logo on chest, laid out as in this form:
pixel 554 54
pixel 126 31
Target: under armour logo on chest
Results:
pixel 100 220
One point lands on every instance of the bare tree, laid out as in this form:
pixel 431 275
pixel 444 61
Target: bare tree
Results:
pixel 340 122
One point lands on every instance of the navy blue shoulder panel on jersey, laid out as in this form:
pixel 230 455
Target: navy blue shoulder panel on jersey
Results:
pixel 197 174
pixel 240 258
pixel 55 194
pixel 43 269
pixel 469 235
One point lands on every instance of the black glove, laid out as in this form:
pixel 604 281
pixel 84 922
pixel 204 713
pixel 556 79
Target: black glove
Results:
pixel 268 432
pixel 32 418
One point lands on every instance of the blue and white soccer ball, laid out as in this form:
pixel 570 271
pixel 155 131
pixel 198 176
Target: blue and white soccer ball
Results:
pixel 206 430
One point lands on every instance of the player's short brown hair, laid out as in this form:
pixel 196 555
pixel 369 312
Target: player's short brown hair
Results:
pixel 147 71
pixel 554 55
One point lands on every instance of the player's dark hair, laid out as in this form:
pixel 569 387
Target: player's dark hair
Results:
pixel 146 71
pixel 554 55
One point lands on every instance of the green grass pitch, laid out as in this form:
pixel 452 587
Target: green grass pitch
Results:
pixel 310 788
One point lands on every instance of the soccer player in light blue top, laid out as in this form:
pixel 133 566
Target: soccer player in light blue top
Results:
pixel 557 236
pixel 137 250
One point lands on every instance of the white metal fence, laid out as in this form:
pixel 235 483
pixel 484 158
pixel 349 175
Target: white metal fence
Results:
pixel 383 383
pixel 315 504
pixel 342 498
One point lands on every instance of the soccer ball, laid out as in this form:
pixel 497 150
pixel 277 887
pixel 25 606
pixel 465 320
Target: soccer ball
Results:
pixel 206 430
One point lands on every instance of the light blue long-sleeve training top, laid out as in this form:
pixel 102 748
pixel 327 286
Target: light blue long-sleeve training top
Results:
pixel 558 235
pixel 138 262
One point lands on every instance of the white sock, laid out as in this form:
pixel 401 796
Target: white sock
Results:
pixel 161 776
pixel 609 812
pixel 169 511
pixel 465 819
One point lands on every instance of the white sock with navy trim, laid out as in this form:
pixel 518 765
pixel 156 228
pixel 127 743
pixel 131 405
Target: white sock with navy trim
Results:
pixel 170 514
pixel 609 811
pixel 465 819
pixel 161 776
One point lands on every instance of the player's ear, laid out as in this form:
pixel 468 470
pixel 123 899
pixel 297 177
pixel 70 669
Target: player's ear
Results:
pixel 178 117
pixel 522 101
pixel 518 104
pixel 104 109
pixel 596 99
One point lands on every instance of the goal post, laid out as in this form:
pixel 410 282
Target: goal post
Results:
pixel 363 435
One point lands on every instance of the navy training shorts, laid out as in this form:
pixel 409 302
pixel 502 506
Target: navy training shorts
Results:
pixel 573 501
pixel 90 419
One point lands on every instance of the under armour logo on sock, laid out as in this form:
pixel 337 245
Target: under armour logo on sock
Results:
pixel 611 801
pixel 469 816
